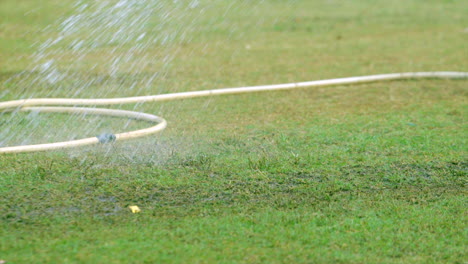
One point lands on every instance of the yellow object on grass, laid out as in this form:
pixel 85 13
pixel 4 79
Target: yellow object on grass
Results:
pixel 135 209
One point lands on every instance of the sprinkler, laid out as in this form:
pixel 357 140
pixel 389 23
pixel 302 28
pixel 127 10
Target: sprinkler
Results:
pixel 66 105
pixel 106 138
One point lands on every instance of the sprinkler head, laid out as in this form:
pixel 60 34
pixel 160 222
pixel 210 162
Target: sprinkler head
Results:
pixel 106 138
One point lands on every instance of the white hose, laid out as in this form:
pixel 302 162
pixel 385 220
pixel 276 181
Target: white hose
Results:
pixel 26 105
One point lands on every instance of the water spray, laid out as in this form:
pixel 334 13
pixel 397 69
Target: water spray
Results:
pixel 66 105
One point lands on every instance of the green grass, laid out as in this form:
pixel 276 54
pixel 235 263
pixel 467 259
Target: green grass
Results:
pixel 373 173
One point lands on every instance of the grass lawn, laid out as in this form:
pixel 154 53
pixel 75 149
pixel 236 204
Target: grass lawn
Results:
pixel 372 173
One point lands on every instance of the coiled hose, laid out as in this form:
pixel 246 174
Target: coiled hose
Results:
pixel 65 105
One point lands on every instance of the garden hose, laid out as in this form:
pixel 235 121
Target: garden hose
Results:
pixel 66 105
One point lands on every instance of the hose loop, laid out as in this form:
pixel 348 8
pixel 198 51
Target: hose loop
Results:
pixel 67 105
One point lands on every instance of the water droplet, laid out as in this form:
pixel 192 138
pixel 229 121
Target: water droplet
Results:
pixel 46 66
pixel 141 36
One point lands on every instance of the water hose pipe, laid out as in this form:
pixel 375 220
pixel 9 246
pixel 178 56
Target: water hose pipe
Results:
pixel 66 105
